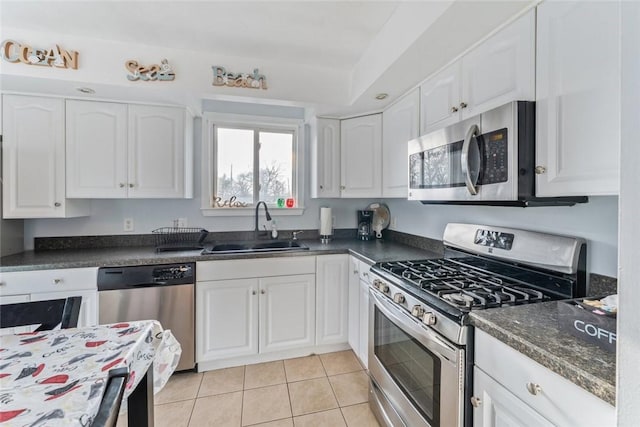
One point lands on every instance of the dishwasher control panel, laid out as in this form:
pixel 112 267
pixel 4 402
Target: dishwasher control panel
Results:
pixel 140 276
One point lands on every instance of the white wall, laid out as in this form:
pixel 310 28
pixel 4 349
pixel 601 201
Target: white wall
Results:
pixel 107 216
pixel 628 375
pixel 596 221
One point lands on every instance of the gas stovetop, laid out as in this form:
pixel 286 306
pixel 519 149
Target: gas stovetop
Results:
pixel 474 283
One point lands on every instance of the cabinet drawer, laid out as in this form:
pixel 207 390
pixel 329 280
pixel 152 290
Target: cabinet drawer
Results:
pixel 558 399
pixel 259 267
pixel 26 282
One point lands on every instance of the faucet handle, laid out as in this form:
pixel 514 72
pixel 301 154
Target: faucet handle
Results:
pixel 295 234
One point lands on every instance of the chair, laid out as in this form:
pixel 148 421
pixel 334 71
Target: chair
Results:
pixel 112 398
pixel 48 314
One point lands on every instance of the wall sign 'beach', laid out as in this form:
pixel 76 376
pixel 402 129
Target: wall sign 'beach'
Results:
pixel 221 77
pixel 13 51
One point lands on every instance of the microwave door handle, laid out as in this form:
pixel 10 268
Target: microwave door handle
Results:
pixel 464 158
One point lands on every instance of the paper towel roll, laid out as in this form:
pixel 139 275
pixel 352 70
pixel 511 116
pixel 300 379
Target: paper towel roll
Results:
pixel 326 226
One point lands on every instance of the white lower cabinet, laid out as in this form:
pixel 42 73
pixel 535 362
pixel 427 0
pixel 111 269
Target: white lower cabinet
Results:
pixel 359 309
pixel 512 389
pixel 40 285
pixel 247 316
pixel 332 299
pixel 495 406
pixel 354 303
pixel 287 312
pixel 227 318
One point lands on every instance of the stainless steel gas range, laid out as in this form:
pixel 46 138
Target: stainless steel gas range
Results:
pixel 420 340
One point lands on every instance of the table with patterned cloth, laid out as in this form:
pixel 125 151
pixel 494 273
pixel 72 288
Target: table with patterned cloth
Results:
pixel 57 378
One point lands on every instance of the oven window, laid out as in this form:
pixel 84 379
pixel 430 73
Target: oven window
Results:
pixel 414 369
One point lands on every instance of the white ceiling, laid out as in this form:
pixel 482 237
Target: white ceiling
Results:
pixel 325 33
pixel 377 46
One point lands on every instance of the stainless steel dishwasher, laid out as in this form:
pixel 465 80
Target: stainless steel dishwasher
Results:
pixel 162 292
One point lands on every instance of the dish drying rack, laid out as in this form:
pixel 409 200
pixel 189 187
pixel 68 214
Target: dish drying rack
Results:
pixel 179 238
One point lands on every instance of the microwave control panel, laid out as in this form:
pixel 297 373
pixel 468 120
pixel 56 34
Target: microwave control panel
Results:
pixel 495 165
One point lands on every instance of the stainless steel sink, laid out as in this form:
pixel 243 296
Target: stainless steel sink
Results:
pixel 255 246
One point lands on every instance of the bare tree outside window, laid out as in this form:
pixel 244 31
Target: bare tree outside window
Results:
pixel 235 165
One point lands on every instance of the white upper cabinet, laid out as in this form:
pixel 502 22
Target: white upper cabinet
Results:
pixel 156 152
pixel 361 156
pixel 499 70
pixel 96 149
pixel 325 159
pixel 119 151
pixel 578 98
pixel 33 159
pixel 400 123
pixel 440 99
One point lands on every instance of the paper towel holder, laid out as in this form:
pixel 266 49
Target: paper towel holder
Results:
pixel 326 225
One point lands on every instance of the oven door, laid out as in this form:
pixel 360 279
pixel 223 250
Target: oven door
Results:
pixel 418 372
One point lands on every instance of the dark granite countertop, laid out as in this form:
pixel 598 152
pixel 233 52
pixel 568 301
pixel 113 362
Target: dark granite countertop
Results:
pixel 368 251
pixel 533 331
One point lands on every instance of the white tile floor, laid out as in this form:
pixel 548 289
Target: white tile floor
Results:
pixel 329 390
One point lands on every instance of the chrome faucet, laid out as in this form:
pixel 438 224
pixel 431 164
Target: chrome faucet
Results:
pixel 256 232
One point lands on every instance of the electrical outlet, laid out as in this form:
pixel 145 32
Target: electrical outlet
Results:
pixel 128 224
pixel 394 222
pixel 181 222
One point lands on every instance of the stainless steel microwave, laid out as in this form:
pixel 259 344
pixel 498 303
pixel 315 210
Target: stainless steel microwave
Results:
pixel 488 159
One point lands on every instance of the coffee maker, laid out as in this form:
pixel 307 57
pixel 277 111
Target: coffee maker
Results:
pixel 365 229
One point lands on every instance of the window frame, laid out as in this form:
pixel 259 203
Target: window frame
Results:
pixel 212 121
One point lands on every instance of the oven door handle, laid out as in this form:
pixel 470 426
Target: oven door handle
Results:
pixel 426 336
pixel 467 156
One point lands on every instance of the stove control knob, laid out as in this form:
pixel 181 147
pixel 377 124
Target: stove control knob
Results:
pixel 429 319
pixel 417 311
pixel 383 287
pixel 399 298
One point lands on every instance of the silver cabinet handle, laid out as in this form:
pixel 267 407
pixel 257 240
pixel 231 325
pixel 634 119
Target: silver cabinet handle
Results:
pixel 122 185
pixel 57 204
pixel 463 105
pixel 454 109
pixel 466 156
pixel 342 187
pixel 534 388
pixel 540 170
pixel 356 272
pixel 322 187
pixel 57 281
pixel 262 291
pixel 131 185
pixel 253 292
pixel 476 401
pixel 3 284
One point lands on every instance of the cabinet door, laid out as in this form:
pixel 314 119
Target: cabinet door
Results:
pixel 497 407
pixel 88 308
pixel 226 319
pixel 325 159
pixel 332 299
pixel 287 312
pixel 354 304
pixel 578 98
pixel 96 149
pixel 363 350
pixel 361 150
pixel 156 152
pixel 501 69
pixel 400 124
pixel 33 158
pixel 440 99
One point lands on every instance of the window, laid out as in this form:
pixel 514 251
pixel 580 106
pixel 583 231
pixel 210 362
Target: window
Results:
pixel 248 164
